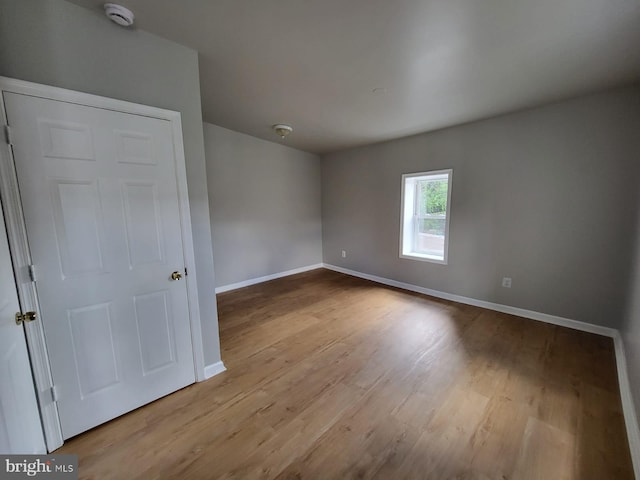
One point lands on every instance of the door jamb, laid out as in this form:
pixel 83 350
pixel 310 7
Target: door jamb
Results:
pixel 20 253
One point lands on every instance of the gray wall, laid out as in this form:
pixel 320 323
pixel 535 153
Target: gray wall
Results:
pixel 630 329
pixel 264 203
pixel 56 43
pixel 545 196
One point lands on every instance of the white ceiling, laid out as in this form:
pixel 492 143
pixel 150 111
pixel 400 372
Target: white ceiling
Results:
pixel 315 63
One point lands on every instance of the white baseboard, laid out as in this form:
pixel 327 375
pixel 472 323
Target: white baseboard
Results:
pixel 628 406
pixel 266 278
pixel 520 312
pixel 629 412
pixel 213 370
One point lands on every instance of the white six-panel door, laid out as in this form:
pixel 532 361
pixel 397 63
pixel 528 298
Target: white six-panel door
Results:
pixel 20 429
pixel 100 201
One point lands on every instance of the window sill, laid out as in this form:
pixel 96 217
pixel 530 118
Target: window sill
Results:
pixel 423 257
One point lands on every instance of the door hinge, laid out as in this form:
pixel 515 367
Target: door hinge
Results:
pixel 7 135
pixel 32 272
pixel 55 395
pixel 185 271
pixel 49 395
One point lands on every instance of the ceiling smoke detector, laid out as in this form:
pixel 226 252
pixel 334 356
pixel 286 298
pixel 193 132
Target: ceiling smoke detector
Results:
pixel 119 14
pixel 282 130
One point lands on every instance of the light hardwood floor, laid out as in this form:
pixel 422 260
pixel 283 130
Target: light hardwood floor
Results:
pixel 333 377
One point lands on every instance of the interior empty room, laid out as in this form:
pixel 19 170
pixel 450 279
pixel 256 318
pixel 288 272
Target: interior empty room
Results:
pixel 320 240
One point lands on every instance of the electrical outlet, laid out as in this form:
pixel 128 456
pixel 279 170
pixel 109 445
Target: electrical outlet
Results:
pixel 506 282
pixel 344 254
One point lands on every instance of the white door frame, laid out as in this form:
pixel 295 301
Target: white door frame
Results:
pixel 20 254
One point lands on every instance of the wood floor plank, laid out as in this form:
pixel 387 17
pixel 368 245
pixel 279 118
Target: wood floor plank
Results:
pixel 442 450
pixel 333 377
pixel 546 452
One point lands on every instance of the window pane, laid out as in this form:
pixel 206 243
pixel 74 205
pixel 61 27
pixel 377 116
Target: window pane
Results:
pixel 432 197
pixel 431 216
pixel 432 226
pixel 430 236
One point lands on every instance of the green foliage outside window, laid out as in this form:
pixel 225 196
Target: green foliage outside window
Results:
pixel 433 197
pixel 433 201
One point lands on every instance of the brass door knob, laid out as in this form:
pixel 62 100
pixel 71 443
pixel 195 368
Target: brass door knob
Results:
pixel 176 275
pixel 25 317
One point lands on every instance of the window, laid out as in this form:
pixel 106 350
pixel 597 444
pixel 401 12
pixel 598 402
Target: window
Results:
pixel 424 230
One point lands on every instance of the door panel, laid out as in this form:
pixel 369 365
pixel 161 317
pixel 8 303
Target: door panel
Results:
pixel 93 347
pixel 65 140
pixel 20 428
pixel 143 223
pixel 134 147
pixel 78 225
pixel 100 201
pixel 157 341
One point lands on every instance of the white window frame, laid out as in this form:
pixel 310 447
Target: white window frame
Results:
pixel 408 218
